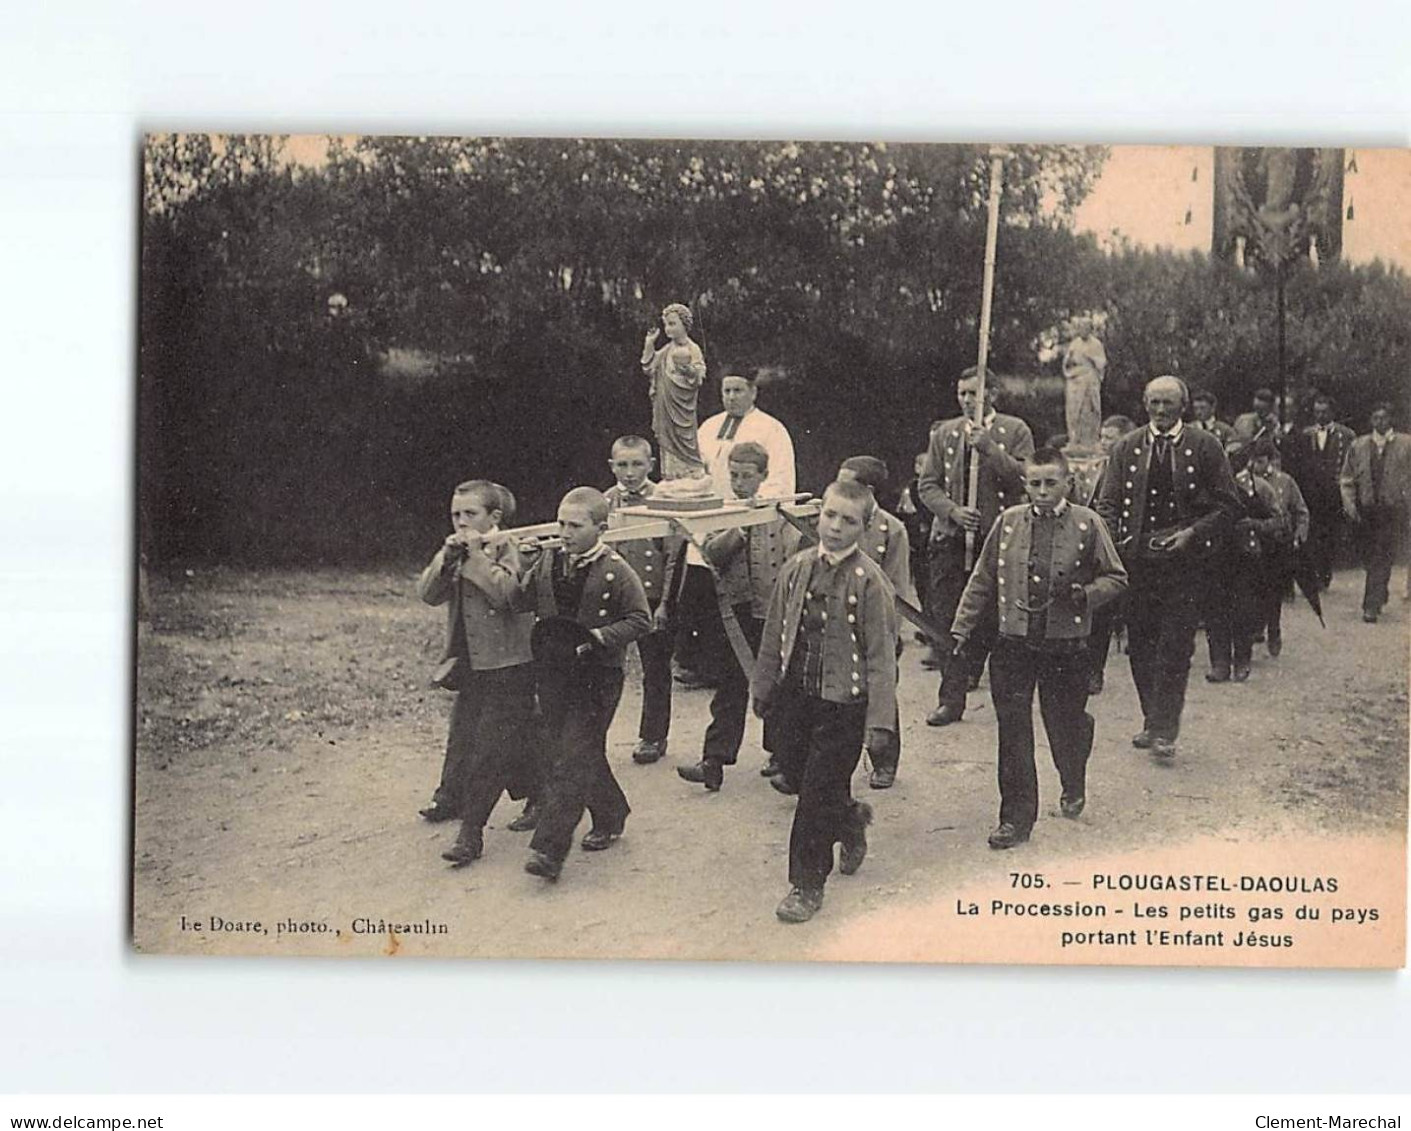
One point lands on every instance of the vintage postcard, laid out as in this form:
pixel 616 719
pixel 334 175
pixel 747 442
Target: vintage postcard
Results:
pixel 592 548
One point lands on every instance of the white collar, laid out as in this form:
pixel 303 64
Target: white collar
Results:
pixel 1175 432
pixel 831 559
pixel 986 423
pixel 589 555
pixel 1381 440
pixel 1058 511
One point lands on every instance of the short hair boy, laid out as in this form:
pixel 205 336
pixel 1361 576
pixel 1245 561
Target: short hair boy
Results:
pixel 886 542
pixel 487 647
pixel 826 679
pixel 745 562
pixel 1264 463
pixel 585 581
pixel 654 560
pixel 1046 567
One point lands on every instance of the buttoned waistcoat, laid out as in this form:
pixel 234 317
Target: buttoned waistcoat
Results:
pixel 613 601
pixel 1204 488
pixel 859 636
pixel 944 487
pixel 1082 552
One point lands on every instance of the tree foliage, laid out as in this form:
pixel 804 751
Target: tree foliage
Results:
pixel 328 347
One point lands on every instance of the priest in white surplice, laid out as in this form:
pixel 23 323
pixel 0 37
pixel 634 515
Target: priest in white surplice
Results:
pixel 742 421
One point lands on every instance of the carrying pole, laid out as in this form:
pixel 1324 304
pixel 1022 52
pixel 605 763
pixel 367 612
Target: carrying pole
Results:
pixel 987 290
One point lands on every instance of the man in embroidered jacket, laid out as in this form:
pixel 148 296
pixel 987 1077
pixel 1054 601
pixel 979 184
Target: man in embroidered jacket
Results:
pixel 1168 500
pixel 1001 445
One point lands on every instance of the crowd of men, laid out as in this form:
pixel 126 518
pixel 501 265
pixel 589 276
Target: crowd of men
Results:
pixel 1029 563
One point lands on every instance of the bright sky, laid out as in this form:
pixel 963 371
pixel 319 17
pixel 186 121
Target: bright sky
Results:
pixel 1145 193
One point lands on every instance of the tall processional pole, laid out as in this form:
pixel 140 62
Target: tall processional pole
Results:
pixel 987 290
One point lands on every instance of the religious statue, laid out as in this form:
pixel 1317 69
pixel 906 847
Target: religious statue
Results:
pixel 1084 364
pixel 675 373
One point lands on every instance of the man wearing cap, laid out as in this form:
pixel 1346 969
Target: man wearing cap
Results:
pixel 1168 499
pixel 1000 444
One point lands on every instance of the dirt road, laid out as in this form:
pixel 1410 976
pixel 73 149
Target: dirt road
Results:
pixel 286 739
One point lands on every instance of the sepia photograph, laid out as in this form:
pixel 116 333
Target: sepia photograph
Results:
pixel 774 551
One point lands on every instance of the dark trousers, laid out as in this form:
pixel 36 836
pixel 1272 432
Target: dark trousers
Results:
pixel 1163 610
pixel 948 577
pixel 1236 607
pixel 730 704
pixel 578 704
pixel 655 650
pixel 818 743
pixel 921 573
pixel 1105 622
pixel 1378 531
pixel 1062 681
pixel 1278 582
pixel 1324 531
pixel 490 747
pixel 693 610
pixel 888 757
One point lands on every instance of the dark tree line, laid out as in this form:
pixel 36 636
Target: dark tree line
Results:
pixel 327 347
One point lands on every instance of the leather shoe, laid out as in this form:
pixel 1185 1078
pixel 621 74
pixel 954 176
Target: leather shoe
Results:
pixel 771 768
pixel 854 850
pixel 1276 645
pixel 883 777
pixel 541 864
pixel 436 813
pixel 1072 807
pixel 800 905
pixel 526 821
pixel 595 840
pixel 944 715
pixel 1218 674
pixel 470 844
pixel 1007 836
pixel 1095 683
pixel 781 784
pixel 1143 740
pixel 1241 673
pixel 1164 748
pixel 1369 617
pixel 706 772
pixel 648 752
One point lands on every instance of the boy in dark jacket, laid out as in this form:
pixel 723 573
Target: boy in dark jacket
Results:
pixel 587 582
